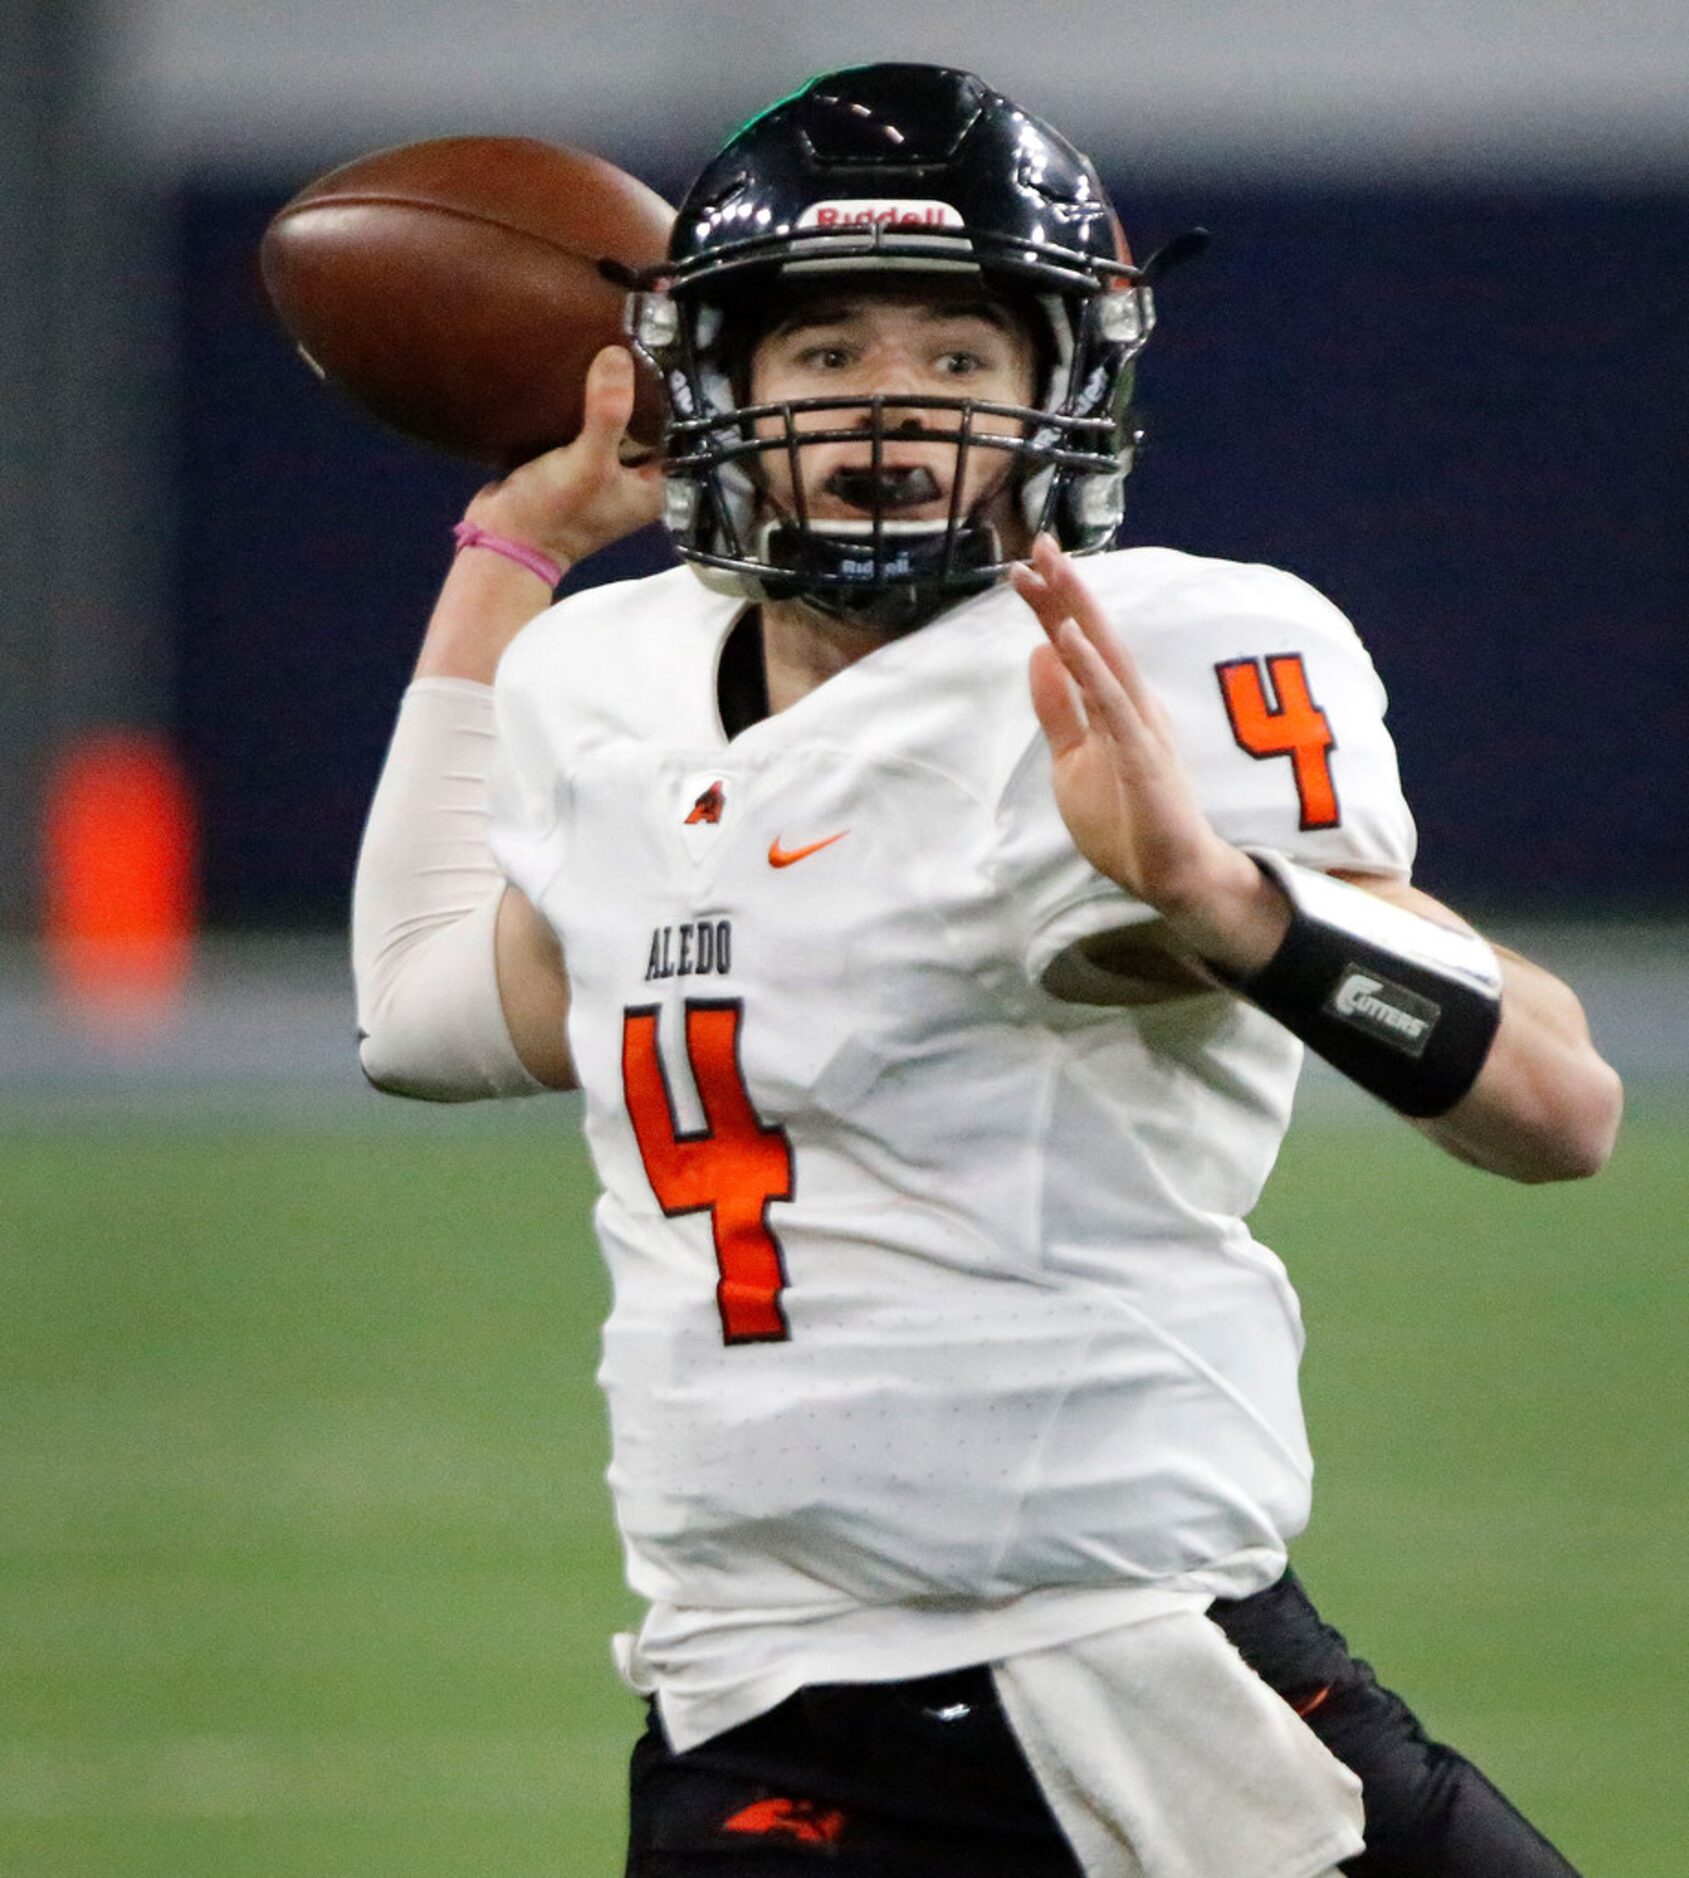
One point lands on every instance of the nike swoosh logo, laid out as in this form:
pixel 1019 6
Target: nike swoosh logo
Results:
pixel 784 857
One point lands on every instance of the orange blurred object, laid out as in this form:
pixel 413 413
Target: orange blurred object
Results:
pixel 120 869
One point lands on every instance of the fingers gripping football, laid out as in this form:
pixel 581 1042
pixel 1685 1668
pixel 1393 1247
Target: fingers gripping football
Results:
pixel 581 497
pixel 1120 782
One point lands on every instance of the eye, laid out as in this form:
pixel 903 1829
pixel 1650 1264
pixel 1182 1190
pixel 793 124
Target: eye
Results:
pixel 960 363
pixel 824 358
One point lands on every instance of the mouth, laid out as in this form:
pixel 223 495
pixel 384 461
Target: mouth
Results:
pixel 893 488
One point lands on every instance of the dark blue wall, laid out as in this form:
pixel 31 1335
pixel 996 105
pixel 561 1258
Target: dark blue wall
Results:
pixel 1461 415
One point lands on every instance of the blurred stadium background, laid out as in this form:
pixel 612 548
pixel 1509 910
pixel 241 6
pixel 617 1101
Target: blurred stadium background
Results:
pixel 305 1563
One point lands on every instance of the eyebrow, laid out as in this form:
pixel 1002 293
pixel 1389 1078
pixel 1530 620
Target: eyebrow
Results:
pixel 932 313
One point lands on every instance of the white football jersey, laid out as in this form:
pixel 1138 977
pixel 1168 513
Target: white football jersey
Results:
pixel 932 1290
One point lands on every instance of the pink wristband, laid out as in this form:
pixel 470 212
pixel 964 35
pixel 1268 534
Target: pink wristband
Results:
pixel 472 535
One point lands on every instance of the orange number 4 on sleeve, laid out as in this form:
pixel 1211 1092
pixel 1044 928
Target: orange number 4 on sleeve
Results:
pixel 733 1168
pixel 1284 722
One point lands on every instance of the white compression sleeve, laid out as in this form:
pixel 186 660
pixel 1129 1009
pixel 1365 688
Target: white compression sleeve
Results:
pixel 425 908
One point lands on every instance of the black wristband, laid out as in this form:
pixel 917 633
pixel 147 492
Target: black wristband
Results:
pixel 1402 1006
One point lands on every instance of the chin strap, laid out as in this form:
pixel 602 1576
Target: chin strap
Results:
pixel 914 572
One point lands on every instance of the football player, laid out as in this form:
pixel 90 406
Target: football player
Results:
pixel 933 904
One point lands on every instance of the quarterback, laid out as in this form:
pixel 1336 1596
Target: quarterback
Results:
pixel 933 903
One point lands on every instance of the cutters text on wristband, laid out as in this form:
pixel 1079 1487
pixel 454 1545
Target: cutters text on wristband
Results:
pixel 1403 1006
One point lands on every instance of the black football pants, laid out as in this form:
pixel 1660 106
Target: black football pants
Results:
pixel 925 1780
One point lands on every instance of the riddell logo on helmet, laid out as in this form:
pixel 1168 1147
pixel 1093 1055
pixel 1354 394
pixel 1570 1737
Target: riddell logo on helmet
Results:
pixel 867 212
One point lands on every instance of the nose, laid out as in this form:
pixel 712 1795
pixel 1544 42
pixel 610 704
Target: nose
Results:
pixel 909 424
pixel 893 372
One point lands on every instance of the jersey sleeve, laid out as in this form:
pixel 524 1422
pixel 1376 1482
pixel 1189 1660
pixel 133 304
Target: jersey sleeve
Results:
pixel 528 785
pixel 1280 717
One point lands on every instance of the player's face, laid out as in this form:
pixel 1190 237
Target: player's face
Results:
pixel 917 344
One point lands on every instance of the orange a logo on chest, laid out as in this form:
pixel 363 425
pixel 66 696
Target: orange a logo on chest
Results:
pixel 702 808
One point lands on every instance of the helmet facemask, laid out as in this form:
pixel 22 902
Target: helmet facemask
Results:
pixel 739 484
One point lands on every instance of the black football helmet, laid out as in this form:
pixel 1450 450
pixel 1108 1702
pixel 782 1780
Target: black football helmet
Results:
pixel 891 170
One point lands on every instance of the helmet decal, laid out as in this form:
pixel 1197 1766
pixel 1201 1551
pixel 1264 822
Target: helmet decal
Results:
pixel 870 212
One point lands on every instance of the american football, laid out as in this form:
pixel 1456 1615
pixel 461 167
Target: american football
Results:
pixel 453 287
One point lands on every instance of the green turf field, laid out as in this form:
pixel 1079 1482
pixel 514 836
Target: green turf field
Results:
pixel 306 1566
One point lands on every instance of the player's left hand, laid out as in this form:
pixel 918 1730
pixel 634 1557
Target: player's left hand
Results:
pixel 1121 784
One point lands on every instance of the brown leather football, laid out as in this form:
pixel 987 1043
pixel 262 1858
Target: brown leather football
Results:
pixel 453 287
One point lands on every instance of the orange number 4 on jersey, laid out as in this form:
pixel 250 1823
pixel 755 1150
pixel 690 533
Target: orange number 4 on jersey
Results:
pixel 732 1169
pixel 1286 723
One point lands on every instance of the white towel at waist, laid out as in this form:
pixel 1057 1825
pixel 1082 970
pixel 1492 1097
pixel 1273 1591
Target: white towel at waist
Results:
pixel 1163 1755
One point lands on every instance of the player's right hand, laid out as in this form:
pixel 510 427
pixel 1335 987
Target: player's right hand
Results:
pixel 585 494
